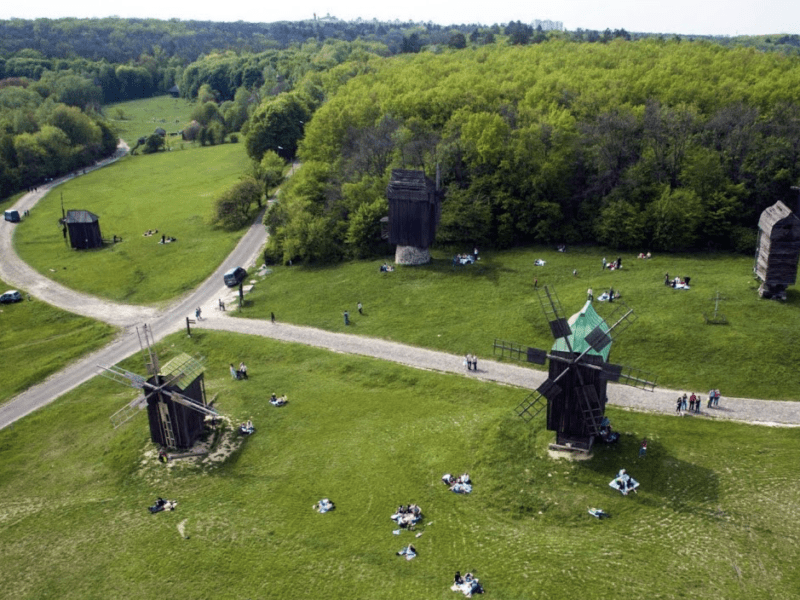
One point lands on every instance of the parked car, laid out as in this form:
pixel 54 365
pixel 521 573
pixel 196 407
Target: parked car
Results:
pixel 235 276
pixel 10 296
pixel 12 216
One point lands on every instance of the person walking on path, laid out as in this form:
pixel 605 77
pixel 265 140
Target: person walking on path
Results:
pixel 360 308
pixel 716 398
pixel 710 398
pixel 474 363
pixel 691 403
pixel 197 312
pixel 678 407
pixel 468 361
pixel 346 318
pixel 684 403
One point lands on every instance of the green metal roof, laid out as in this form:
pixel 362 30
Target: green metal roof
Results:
pixel 582 324
pixel 183 368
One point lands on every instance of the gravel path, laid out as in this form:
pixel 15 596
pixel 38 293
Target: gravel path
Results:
pixel 762 412
pixel 207 296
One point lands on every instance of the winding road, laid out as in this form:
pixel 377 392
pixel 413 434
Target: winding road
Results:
pixel 164 322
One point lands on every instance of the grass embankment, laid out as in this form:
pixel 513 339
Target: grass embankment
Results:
pixel 37 340
pixel 140 118
pixel 710 520
pixel 172 192
pixel 462 309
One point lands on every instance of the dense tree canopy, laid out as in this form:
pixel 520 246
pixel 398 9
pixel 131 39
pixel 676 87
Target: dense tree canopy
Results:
pixel 652 144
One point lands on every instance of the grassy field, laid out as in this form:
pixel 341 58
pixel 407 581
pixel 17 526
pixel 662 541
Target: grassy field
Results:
pixel 37 340
pixel 715 517
pixel 140 118
pixel 464 309
pixel 172 192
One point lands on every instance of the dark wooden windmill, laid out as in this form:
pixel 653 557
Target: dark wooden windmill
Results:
pixel 574 392
pixel 174 395
pixel 778 250
pixel 414 212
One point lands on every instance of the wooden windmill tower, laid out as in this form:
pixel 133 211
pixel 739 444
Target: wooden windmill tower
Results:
pixel 574 393
pixel 174 395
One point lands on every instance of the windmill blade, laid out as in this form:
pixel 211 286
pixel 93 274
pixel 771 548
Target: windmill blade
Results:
pixel 124 376
pixel 531 406
pixel 520 352
pixel 637 378
pixel 127 412
pixel 549 389
pixel 551 306
pixel 188 402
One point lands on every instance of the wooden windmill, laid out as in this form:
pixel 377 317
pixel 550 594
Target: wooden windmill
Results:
pixel 174 395
pixel 574 393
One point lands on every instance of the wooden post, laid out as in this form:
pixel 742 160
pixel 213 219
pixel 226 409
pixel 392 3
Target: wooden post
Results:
pixel 188 328
pixel 241 296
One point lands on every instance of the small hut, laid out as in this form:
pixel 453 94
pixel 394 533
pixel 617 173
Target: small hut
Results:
pixel 174 423
pixel 414 211
pixel 84 229
pixel 174 91
pixel 778 250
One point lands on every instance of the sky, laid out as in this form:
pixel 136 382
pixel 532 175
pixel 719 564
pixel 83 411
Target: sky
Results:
pixel 687 17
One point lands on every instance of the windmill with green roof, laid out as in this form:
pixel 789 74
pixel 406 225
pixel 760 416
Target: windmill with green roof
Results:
pixel 574 392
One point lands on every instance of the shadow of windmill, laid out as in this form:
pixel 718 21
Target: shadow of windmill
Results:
pixel 574 393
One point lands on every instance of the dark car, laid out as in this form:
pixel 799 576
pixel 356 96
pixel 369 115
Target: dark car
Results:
pixel 10 296
pixel 235 276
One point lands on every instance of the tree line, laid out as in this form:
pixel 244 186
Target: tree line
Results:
pixel 650 144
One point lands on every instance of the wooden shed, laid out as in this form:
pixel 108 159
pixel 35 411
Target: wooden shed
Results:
pixel 84 229
pixel 414 212
pixel 777 251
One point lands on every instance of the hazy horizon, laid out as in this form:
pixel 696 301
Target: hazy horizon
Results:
pixel 684 17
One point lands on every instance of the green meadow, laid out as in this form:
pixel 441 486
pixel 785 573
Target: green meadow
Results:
pixel 713 518
pixel 463 309
pixel 172 192
pixel 139 118
pixel 37 340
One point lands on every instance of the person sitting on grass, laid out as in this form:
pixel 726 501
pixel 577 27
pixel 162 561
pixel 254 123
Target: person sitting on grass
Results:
pixel 409 552
pixel 324 506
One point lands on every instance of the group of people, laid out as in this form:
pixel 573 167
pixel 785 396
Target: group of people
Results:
pixel 613 265
pixel 471 362
pixel 386 268
pixel 323 506
pixel 687 404
pixel 162 504
pixel 464 259
pixel 407 516
pixel 459 485
pixel 608 296
pixel 624 483
pixel 713 398
pixel 676 282
pixel 467 585
pixel 150 232
pixel 645 256
pixel 408 551
pixel 240 373
pixel 247 428
pixel 167 240
pixel 276 401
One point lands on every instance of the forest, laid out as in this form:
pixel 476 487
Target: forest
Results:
pixel 629 140
pixel 650 145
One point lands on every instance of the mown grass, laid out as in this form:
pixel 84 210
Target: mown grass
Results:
pixel 142 117
pixel 172 192
pixel 714 518
pixel 464 309
pixel 37 340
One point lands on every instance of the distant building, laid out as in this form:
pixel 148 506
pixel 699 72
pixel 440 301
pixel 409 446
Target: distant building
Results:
pixel 414 211
pixel 548 25
pixel 778 250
